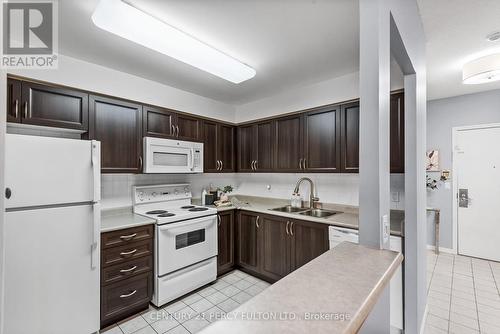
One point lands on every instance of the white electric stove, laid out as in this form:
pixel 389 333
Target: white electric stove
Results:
pixel 185 239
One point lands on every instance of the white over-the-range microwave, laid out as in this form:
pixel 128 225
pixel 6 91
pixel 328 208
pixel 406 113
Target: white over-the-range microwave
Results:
pixel 162 156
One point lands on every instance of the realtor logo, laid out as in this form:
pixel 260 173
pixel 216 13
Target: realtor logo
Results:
pixel 29 34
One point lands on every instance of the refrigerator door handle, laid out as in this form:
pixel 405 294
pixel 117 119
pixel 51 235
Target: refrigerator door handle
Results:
pixel 96 233
pixel 96 169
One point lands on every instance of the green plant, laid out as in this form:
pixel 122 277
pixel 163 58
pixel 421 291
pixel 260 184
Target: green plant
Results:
pixel 227 189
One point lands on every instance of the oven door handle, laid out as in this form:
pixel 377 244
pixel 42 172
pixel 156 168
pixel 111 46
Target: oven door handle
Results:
pixel 190 224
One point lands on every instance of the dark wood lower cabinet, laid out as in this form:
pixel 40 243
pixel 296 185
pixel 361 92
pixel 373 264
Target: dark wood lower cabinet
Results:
pixel 126 273
pixel 271 247
pixel 225 242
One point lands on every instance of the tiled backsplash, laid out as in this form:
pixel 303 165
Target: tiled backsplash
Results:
pixel 331 188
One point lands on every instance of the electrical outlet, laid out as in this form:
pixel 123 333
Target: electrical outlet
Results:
pixel 395 196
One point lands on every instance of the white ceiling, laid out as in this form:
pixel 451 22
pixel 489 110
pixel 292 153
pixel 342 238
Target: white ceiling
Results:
pixel 290 43
pixel 456 31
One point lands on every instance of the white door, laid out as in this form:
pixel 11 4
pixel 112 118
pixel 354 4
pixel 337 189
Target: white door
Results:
pixel 51 283
pixel 477 164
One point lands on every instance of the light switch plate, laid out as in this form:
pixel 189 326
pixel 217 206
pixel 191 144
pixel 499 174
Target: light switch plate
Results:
pixel 385 228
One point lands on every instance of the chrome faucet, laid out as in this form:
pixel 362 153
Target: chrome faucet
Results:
pixel 312 197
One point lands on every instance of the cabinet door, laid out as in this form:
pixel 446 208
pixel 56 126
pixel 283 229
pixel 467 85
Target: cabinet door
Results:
pixel 187 128
pixel 246 137
pixel 13 100
pixel 397 136
pixel 226 143
pixel 309 240
pixel 117 125
pixel 264 154
pixel 54 106
pixel 225 241
pixel 322 140
pixel 209 136
pixel 275 246
pixel 288 144
pixel 248 241
pixel 157 122
pixel 349 133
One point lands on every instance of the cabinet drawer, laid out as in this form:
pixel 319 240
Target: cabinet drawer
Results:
pixel 120 298
pixel 119 272
pixel 126 236
pixel 118 255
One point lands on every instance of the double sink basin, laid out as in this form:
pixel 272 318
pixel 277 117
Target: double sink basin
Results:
pixel 317 213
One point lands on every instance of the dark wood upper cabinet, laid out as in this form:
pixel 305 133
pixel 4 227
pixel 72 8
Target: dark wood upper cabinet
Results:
pixel 248 241
pixel 309 240
pixel 275 244
pixel 225 242
pixel 13 100
pixel 349 134
pixel 397 139
pixel 226 140
pixel 187 127
pixel 219 147
pixel 255 147
pixel 288 144
pixel 54 106
pixel 246 148
pixel 117 125
pixel 322 140
pixel 158 122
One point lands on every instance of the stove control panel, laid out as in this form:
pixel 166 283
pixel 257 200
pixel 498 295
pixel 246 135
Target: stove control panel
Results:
pixel 161 193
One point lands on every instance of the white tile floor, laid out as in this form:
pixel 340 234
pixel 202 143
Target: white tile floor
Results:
pixel 196 310
pixel 463 295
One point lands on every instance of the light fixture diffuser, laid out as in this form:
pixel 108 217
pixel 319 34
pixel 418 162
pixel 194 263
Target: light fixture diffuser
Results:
pixel 139 27
pixel 482 70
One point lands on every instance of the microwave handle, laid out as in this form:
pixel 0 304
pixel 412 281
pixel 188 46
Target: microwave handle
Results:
pixel 191 162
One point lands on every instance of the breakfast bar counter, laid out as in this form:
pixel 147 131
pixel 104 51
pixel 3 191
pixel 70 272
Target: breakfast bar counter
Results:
pixel 333 293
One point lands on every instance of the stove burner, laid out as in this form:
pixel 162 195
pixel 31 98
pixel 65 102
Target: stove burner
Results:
pixel 156 212
pixel 187 207
pixel 198 209
pixel 167 214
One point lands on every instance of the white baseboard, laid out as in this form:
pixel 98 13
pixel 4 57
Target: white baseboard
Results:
pixel 442 249
pixel 424 319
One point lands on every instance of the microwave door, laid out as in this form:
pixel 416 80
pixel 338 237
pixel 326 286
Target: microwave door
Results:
pixel 169 159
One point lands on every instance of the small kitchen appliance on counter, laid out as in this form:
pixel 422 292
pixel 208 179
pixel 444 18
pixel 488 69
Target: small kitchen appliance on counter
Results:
pixel 185 239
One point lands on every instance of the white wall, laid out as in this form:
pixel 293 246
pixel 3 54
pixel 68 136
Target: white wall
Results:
pixel 442 116
pixel 83 75
pixel 325 92
pixel 3 114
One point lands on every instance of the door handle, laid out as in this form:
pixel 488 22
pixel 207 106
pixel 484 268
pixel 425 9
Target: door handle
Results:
pixel 16 108
pixel 140 163
pixel 96 234
pixel 257 221
pixel 172 130
pixel 177 128
pixel 255 164
pixel 129 294
pixel 286 227
pixel 129 253
pixel 251 164
pixel 217 165
pixel 124 271
pixel 305 163
pixel 221 165
pixel 218 220
pixel 300 163
pixel 291 228
pixel 128 237
pixel 96 168
pixel 25 109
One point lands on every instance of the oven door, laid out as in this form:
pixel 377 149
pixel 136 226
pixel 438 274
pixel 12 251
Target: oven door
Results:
pixel 185 243
pixel 168 156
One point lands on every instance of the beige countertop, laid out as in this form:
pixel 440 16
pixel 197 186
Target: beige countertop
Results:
pixel 342 285
pixel 118 219
pixel 349 217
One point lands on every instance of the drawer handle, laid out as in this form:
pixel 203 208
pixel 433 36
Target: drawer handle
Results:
pixel 129 294
pixel 129 253
pixel 128 237
pixel 124 271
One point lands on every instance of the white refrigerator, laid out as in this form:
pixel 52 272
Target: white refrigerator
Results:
pixel 52 235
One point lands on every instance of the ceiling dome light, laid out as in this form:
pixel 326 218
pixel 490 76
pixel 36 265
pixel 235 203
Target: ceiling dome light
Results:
pixel 493 37
pixel 482 70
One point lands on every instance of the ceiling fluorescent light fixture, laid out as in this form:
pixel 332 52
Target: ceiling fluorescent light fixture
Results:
pixel 482 70
pixel 139 27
